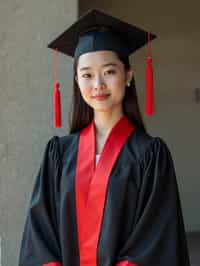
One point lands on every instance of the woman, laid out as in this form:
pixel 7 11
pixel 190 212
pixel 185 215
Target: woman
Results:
pixel 106 193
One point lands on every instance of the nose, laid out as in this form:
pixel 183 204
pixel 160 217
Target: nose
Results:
pixel 99 83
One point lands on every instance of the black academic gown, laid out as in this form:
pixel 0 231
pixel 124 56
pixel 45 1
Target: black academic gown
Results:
pixel 142 222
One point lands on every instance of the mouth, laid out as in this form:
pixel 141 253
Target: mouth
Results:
pixel 101 96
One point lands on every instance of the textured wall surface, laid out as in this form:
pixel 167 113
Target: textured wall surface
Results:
pixel 176 61
pixel 26 86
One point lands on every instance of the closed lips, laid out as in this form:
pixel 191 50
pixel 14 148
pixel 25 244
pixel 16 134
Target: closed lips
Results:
pixel 101 95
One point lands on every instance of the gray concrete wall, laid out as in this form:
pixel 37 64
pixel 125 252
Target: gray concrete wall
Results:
pixel 176 58
pixel 26 86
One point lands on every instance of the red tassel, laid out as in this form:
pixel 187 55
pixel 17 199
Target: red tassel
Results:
pixel 57 106
pixel 149 110
pixel 57 98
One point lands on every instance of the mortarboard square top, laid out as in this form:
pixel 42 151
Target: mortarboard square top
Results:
pixel 96 30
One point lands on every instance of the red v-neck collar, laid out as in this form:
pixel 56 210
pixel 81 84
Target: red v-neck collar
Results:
pixel 91 183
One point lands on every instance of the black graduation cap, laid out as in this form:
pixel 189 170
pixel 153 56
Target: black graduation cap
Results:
pixel 96 30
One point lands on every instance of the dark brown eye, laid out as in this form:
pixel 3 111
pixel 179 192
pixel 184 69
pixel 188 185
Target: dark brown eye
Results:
pixel 86 75
pixel 111 71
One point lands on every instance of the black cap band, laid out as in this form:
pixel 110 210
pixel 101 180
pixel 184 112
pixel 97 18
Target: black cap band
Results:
pixel 101 39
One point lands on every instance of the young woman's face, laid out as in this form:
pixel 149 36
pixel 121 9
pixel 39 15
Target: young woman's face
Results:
pixel 102 73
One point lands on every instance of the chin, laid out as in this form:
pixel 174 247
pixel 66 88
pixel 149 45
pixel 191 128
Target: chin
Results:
pixel 103 109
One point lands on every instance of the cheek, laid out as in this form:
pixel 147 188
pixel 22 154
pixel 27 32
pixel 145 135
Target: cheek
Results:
pixel 85 88
pixel 117 83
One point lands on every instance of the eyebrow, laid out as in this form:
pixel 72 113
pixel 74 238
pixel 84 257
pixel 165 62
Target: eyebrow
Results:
pixel 108 64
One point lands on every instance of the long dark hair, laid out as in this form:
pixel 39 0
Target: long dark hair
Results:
pixel 81 114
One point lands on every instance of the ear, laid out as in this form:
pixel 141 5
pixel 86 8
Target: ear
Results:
pixel 76 78
pixel 129 75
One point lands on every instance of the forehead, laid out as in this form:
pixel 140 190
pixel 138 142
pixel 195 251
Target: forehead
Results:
pixel 97 58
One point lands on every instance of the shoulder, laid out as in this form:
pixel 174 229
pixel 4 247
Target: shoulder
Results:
pixel 154 162
pixel 57 145
pixel 144 144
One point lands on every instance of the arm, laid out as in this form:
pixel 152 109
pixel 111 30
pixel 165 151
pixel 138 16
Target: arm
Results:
pixel 158 237
pixel 40 241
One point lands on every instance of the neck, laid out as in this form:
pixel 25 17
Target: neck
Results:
pixel 104 122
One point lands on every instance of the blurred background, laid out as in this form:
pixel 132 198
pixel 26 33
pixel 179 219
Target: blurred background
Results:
pixel 26 88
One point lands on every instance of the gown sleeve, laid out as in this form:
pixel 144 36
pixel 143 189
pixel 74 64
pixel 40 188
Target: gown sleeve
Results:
pixel 158 235
pixel 40 240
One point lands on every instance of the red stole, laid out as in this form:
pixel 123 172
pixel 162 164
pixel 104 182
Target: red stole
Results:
pixel 91 184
